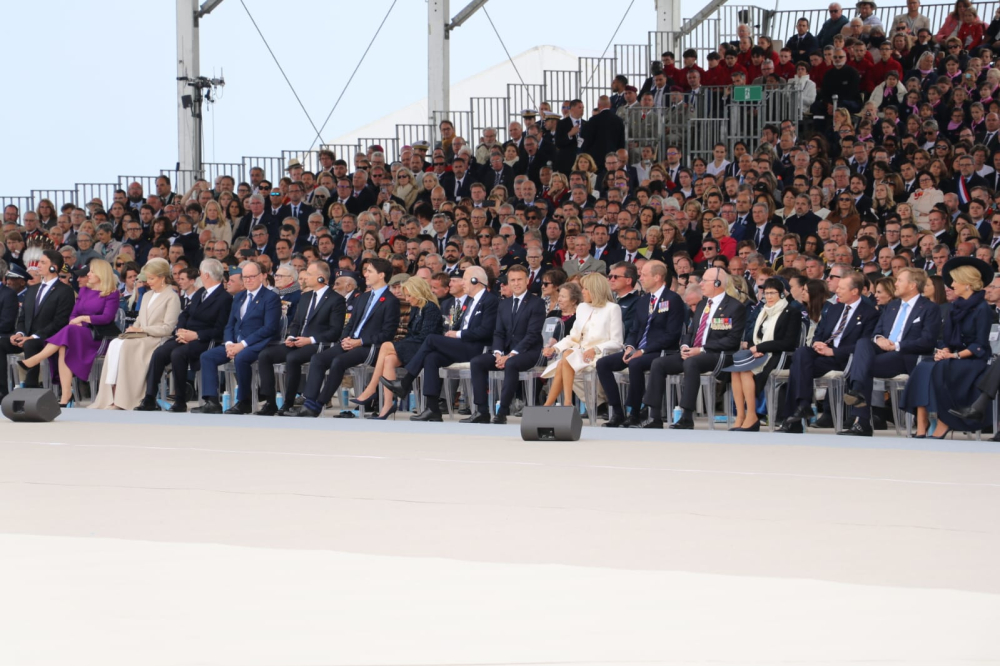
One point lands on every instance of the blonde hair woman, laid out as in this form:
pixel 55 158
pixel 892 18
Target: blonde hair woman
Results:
pixel 425 319
pixel 405 187
pixel 92 319
pixel 596 332
pixel 584 162
pixel 123 380
pixel 215 221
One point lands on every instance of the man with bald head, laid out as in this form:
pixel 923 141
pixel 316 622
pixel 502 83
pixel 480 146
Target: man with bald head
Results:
pixel 476 327
pixel 716 330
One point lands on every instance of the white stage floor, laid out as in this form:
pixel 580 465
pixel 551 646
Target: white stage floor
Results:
pixel 153 539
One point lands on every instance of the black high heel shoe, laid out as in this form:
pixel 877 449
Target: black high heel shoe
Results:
pixel 754 428
pixel 370 404
pixel 392 410
pixel 20 364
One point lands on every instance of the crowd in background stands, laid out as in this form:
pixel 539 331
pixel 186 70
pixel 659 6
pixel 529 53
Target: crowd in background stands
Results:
pixel 862 239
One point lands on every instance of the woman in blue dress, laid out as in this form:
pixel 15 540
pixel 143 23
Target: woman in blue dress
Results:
pixel 964 351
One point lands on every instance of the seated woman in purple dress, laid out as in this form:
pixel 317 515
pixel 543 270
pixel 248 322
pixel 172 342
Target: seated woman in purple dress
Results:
pixel 95 310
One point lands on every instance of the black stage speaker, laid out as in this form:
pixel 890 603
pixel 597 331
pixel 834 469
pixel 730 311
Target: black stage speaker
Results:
pixel 31 405
pixel 550 423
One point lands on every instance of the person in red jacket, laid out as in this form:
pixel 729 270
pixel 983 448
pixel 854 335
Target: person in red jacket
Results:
pixel 690 65
pixel 820 64
pixel 716 74
pixel 785 67
pixel 876 73
pixel 971 30
pixel 729 66
pixel 859 58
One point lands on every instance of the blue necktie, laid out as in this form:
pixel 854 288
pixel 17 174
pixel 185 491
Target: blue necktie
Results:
pixel 649 320
pixel 368 311
pixel 897 328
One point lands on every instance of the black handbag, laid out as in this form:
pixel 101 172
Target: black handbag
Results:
pixel 102 331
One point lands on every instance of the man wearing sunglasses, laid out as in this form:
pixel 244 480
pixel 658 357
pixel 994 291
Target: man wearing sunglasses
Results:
pixel 842 81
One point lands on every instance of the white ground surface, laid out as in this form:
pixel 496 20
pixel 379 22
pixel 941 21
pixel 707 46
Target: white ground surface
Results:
pixel 163 540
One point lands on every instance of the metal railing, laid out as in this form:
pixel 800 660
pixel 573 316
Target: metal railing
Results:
pixel 342 151
pixel 488 112
pixel 596 75
pixel 560 85
pixel 390 146
pixel 408 134
pixel 148 183
pixel 696 123
pixel 521 97
pixel 462 120
pixel 633 60
pixel 57 197
pixel 308 158
pixel 274 168
pixel 22 203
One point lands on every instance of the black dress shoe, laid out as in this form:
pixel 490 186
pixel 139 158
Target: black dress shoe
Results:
pixel 269 409
pixel 478 417
pixel 825 420
pixel 305 412
pixel 427 415
pixel 683 424
pixel 859 429
pixel 289 410
pixel 148 405
pixel 211 406
pixel 240 408
pixel 396 386
pixel 878 423
pixel 969 413
pixel 791 425
pixel 616 421
pixel 179 407
pixel 801 413
pixel 632 420
pixel 464 411
pixel 499 419
pixel 854 398
pixel 649 424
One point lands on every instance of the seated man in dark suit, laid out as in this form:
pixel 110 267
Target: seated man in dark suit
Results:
pixel 657 321
pixel 374 320
pixel 46 310
pixel 908 327
pixel 476 327
pixel 837 333
pixel 718 332
pixel 517 345
pixel 199 325
pixel 319 319
pixel 254 322
pixel 9 306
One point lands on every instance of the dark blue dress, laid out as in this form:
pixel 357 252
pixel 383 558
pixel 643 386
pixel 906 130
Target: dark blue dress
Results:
pixel 423 322
pixel 941 385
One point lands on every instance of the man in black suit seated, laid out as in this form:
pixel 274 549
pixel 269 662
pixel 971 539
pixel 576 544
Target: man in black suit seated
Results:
pixel 362 196
pixel 622 278
pixel 840 327
pixel 319 319
pixel 656 323
pixel 908 327
pixel 46 310
pixel 457 183
pixel 199 325
pixel 254 217
pixel 715 331
pixel 296 207
pixel 965 180
pixel 534 256
pixel 9 306
pixel 475 330
pixel 374 320
pixel 517 344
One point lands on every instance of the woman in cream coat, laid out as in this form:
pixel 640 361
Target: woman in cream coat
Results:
pixel 123 379
pixel 596 332
pixel 924 198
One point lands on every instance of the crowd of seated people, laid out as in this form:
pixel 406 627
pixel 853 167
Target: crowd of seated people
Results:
pixel 863 239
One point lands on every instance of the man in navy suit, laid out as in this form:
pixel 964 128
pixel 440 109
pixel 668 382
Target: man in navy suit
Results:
pixel 296 208
pixel 254 322
pixel 658 317
pixel 199 325
pixel 254 217
pixel 517 345
pixel 840 327
pixel 475 330
pixel 9 306
pixel 715 331
pixel 319 319
pixel 457 183
pixel 373 321
pixel 908 328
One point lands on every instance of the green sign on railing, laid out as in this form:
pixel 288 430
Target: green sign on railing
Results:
pixel 747 93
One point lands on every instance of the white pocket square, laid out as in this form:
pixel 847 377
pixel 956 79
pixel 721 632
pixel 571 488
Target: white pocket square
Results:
pixel 916 320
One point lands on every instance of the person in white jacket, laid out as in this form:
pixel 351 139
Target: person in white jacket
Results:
pixel 596 332
pixel 892 88
pixel 805 86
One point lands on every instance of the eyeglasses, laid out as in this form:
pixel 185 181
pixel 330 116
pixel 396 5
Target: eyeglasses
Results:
pixel 485 236
pixel 402 175
pixel 707 247
pixel 615 277
pixel 546 284
pixel 119 264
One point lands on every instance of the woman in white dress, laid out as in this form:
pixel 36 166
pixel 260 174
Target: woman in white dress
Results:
pixel 596 332
pixel 123 379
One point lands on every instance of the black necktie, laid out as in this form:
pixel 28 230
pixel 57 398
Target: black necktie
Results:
pixel 305 322
pixel 513 311
pixel 38 296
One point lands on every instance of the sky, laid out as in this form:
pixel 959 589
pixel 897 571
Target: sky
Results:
pixel 92 93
